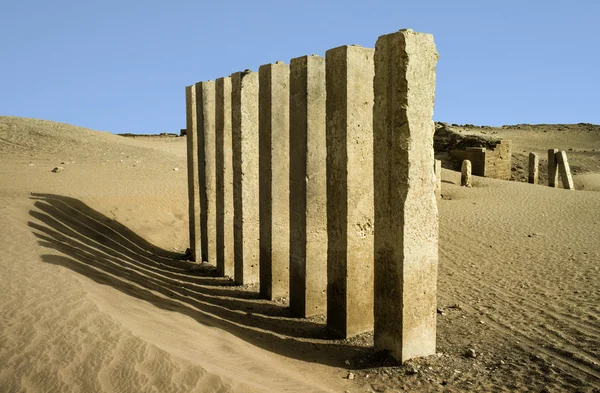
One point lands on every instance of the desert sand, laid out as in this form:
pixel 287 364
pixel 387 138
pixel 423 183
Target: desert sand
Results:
pixel 95 296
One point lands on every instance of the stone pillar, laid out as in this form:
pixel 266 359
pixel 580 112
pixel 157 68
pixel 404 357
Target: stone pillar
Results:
pixel 192 169
pixel 244 125
pixel 465 174
pixel 438 179
pixel 552 168
pixel 406 215
pixel 534 162
pixel 205 95
pixel 565 171
pixel 224 178
pixel 350 216
pixel 274 175
pixel 308 182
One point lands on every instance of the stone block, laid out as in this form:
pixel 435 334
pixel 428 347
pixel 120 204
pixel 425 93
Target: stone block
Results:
pixel 350 216
pixel 406 216
pixel 438 179
pixel 534 163
pixel 244 129
pixel 465 174
pixel 308 182
pixel 552 168
pixel 224 178
pixel 274 175
pixel 564 170
pixel 192 170
pixel 205 97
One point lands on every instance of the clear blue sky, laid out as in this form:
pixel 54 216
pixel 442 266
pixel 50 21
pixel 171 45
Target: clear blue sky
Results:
pixel 122 66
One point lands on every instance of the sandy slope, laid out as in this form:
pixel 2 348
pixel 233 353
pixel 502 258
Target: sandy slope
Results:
pixel 93 297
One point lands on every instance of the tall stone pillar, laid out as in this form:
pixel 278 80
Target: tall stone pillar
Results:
pixel 244 129
pixel 565 170
pixel 307 182
pixel 205 96
pixel 552 168
pixel 438 179
pixel 192 169
pixel 406 216
pixel 534 163
pixel 350 215
pixel 465 174
pixel 224 178
pixel 274 142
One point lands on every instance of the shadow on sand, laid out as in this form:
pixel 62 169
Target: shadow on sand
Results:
pixel 109 253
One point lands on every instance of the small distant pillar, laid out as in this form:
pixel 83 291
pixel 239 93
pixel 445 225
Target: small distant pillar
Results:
pixel 534 162
pixel 438 179
pixel 552 168
pixel 224 178
pixel 465 174
pixel 274 146
pixel 192 169
pixel 244 108
pixel 350 215
pixel 205 94
pixel 565 171
pixel 308 187
pixel 406 215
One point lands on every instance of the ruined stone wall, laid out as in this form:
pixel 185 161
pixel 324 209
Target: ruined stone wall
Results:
pixel 491 162
pixel 477 156
pixel 497 161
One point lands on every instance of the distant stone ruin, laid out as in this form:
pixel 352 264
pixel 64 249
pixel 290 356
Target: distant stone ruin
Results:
pixel 316 180
pixel 558 164
pixel 465 173
pixel 161 135
pixel 534 163
pixel 438 179
pixel 488 162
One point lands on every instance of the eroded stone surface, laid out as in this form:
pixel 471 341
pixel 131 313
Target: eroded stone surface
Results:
pixel 465 174
pixel 274 141
pixel 552 168
pixel 244 108
pixel 438 179
pixel 192 168
pixel 224 178
pixel 564 170
pixel 406 216
pixel 350 71
pixel 534 163
pixel 205 96
pixel 308 197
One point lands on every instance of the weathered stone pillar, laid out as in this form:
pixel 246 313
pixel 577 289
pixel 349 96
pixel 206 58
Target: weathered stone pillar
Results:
pixel 534 162
pixel 565 170
pixel 406 216
pixel 192 169
pixel 244 109
pixel 350 216
pixel 205 96
pixel 308 182
pixel 465 174
pixel 224 178
pixel 438 179
pixel 552 168
pixel 274 141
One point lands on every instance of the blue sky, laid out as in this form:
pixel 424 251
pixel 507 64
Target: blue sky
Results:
pixel 122 66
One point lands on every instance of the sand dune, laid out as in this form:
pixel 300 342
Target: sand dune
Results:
pixel 94 296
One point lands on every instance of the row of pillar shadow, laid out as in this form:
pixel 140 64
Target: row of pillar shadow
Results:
pixel 316 180
pixel 557 164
